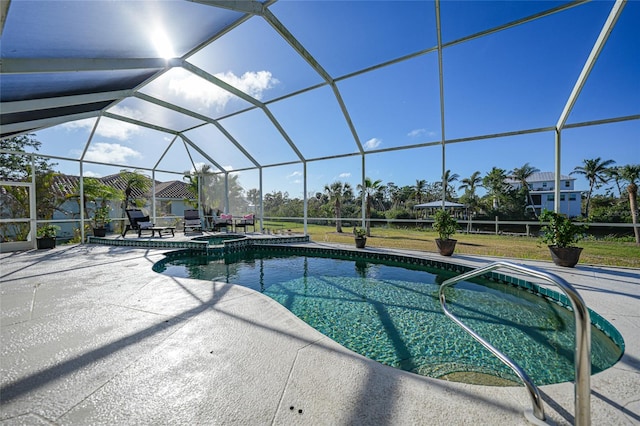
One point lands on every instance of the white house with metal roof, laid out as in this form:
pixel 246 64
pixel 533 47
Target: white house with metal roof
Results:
pixel 542 190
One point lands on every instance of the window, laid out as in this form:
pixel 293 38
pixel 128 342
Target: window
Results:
pixel 572 197
pixel 561 197
pixel 567 184
pixel 551 197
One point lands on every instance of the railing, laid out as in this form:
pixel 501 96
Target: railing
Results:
pixel 582 357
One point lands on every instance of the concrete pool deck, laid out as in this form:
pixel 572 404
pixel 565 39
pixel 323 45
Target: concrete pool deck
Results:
pixel 91 335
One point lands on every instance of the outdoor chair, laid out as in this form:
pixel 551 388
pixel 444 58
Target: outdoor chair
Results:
pixel 246 221
pixel 138 221
pixel 192 220
pixel 223 221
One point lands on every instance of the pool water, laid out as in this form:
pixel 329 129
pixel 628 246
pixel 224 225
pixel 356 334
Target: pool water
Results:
pixel 392 314
pixel 219 239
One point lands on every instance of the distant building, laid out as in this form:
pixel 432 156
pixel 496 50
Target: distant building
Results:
pixel 542 190
pixel 171 199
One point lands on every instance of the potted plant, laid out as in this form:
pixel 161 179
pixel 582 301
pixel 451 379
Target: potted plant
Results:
pixel 100 220
pixel 360 236
pixel 46 236
pixel 445 225
pixel 560 235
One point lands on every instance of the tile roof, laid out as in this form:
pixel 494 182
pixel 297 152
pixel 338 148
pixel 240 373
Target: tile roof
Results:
pixel 173 189
pixel 66 185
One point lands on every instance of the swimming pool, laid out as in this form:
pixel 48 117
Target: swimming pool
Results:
pixel 392 314
pixel 219 238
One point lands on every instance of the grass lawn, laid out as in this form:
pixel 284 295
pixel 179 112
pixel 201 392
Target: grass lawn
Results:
pixel 611 253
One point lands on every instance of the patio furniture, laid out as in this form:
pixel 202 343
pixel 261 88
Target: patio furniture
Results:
pixel 138 221
pixel 246 221
pixel 159 230
pixel 223 221
pixel 192 220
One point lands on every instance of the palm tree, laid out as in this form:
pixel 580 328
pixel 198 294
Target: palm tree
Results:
pixel 253 196
pixel 595 171
pixel 134 182
pixel 447 180
pixel 419 190
pixel 95 190
pixel 613 173
pixel 521 174
pixel 494 181
pixel 469 185
pixel 338 192
pixel 368 190
pixel 631 174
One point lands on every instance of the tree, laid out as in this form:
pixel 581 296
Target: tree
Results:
pixel 196 186
pixel 19 167
pixel 495 184
pixel 337 193
pixel 595 171
pixel 369 190
pixel 521 174
pixel 134 183
pixel 613 173
pixel 419 190
pixel 631 174
pixel 469 185
pixel 447 180
pixel 253 196
pixel 97 193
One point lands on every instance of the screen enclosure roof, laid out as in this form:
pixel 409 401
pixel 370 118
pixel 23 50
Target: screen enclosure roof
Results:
pixel 244 84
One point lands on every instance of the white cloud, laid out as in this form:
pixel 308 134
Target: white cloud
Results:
pixel 294 174
pixel 110 153
pixel 110 128
pixel 344 175
pixel 209 95
pixel 416 132
pixel 87 123
pixel 88 173
pixel 372 143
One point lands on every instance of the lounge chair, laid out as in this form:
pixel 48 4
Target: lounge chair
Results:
pixel 223 221
pixel 138 221
pixel 192 220
pixel 246 221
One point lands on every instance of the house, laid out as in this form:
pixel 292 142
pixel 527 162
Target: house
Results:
pixel 171 198
pixel 542 190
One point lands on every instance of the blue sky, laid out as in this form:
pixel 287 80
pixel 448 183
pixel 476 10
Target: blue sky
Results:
pixel 516 79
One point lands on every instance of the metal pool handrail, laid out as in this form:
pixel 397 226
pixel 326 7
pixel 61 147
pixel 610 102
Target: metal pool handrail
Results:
pixel 582 357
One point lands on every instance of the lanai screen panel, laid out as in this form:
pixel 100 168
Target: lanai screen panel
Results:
pixel 613 88
pixel 315 123
pixel 347 36
pixel 256 60
pixel 391 111
pixel 338 78
pixel 219 147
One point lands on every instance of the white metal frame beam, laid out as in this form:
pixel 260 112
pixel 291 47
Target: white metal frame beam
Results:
pixel 62 101
pixel 608 26
pixel 51 65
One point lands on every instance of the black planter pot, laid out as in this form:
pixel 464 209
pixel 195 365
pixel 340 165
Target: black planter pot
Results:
pixel 565 256
pixel 360 242
pixel 446 247
pixel 45 243
pixel 99 232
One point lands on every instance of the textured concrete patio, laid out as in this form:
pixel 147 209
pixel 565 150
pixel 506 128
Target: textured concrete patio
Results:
pixel 91 335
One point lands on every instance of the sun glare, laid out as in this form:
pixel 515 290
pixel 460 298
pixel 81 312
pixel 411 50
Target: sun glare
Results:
pixel 162 44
